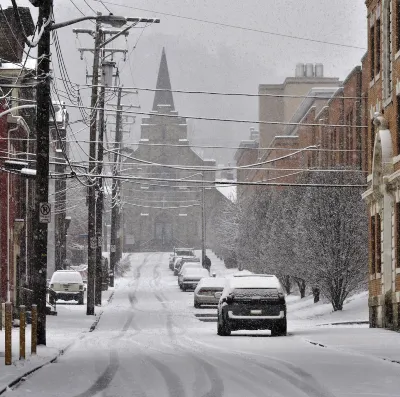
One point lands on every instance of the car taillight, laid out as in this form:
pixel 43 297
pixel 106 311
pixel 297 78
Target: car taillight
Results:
pixel 81 287
pixel 51 286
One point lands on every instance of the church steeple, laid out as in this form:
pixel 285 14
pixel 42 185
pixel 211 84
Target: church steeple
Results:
pixel 163 82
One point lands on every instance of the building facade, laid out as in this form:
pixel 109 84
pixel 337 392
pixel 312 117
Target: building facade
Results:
pixel 16 137
pixel 279 102
pixel 383 161
pixel 162 205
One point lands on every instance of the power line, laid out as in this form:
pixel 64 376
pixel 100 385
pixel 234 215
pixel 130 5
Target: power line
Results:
pixel 220 93
pixel 226 25
pixel 221 119
pixel 236 183
pixel 221 147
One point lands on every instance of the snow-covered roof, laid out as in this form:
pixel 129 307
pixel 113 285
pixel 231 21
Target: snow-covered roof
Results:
pixel 229 191
pixel 195 271
pixel 29 64
pixel 66 276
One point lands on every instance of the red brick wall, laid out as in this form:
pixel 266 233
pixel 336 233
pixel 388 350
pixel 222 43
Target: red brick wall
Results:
pixel 375 287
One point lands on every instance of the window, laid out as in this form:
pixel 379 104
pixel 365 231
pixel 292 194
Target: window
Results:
pixel 378 248
pixel 387 50
pixel 372 245
pixel 378 46
pixel 398 125
pixel 398 234
pixel 398 25
pixel 372 142
pixel 372 50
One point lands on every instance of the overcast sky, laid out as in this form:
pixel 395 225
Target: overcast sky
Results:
pixel 203 56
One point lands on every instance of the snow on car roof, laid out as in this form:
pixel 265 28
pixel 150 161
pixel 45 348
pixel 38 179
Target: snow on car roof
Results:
pixel 255 282
pixel 63 276
pixel 196 270
pixel 191 264
pixel 213 282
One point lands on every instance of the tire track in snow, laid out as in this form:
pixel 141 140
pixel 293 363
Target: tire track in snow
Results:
pixel 105 379
pixel 309 385
pixel 305 382
pixel 217 384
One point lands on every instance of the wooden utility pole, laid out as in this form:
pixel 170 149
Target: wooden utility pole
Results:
pixel 43 99
pixel 115 191
pixel 92 240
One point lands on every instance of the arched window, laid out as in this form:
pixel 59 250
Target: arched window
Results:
pixel 387 35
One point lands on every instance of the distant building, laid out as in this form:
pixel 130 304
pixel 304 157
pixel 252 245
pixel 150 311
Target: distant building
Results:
pixel 309 125
pixel 279 102
pixel 162 207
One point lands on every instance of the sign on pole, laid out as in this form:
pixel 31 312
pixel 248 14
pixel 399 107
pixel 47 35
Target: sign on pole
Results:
pixel 112 248
pixel 99 241
pixel 93 242
pixel 45 213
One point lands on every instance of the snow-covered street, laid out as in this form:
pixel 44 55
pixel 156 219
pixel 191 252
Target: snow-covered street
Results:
pixel 151 342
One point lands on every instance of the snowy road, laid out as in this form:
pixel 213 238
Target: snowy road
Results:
pixel 150 343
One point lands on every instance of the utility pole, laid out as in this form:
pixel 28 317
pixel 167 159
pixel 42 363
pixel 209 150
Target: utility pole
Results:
pixel 42 170
pixel 92 241
pixel 203 222
pixel 115 191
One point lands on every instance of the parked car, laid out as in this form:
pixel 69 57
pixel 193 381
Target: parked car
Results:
pixel 180 252
pixel 186 265
pixel 252 302
pixel 178 265
pixel 191 277
pixel 204 294
pixel 66 285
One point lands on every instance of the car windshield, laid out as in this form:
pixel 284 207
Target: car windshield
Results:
pixel 185 253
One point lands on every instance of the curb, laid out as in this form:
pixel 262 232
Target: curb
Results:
pixel 344 323
pixel 54 358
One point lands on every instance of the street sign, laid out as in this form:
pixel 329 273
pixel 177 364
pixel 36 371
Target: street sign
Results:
pixel 112 248
pixel 45 213
pixel 93 242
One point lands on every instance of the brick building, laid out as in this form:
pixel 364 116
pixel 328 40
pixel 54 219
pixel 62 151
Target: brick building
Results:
pixel 328 120
pixel 383 161
pixel 16 130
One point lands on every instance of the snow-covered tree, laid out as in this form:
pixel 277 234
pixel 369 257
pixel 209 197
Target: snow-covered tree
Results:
pixel 332 236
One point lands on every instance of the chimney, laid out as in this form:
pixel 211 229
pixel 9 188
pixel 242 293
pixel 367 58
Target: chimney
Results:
pixel 300 70
pixel 11 38
pixel 319 70
pixel 309 70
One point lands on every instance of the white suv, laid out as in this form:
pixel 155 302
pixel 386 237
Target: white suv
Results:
pixel 66 285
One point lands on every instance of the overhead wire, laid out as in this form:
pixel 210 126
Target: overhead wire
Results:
pixel 244 28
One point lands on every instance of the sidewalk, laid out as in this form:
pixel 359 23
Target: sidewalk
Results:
pixel 346 330
pixel 69 325
pixel 372 342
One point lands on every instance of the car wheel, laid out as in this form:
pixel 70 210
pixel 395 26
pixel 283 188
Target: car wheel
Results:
pixel 197 305
pixel 81 300
pixel 279 328
pixel 183 288
pixel 223 329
